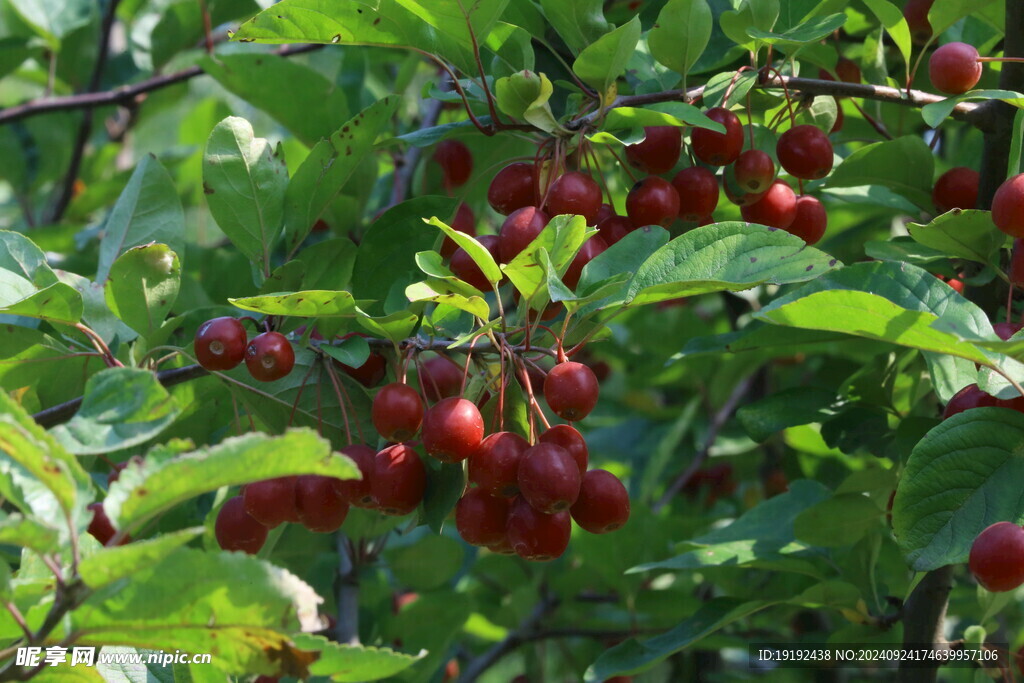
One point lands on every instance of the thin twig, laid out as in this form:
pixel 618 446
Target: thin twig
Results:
pixel 522 634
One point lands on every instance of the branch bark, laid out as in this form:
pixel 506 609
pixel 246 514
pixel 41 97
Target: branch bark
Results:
pixel 924 615
pixel 523 634
pixel 347 630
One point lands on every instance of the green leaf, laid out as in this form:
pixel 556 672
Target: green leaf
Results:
pixel 602 62
pixel 962 233
pixel 904 165
pixel 395 326
pixel 352 351
pixel 57 303
pixel 312 107
pixel 53 19
pixel 810 31
pixel 560 239
pixel 241 611
pixel 945 13
pixel 244 179
pixel 1014 165
pixel 729 256
pixel 96 313
pixel 436 292
pixel 937 112
pixel 681 33
pixel 307 304
pixel 960 478
pixel 667 114
pixel 21 256
pixel 445 486
pixel 386 261
pixel 891 17
pixel 122 407
pixel 148 210
pixel 624 257
pixel 429 563
pixel 142 493
pixel 786 408
pixel 525 95
pixel 143 287
pixel 329 166
pixel 841 520
pixel 578 22
pixel 112 564
pixel 476 251
pixel 354 663
pixel 25 532
pixel 633 656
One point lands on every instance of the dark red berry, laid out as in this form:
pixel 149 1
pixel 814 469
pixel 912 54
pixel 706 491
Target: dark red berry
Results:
pixel 236 529
pixel 916 14
pixel 536 536
pixel 957 188
pixel 997 557
pixel 718 149
pixel 549 478
pixel 519 229
pixel 972 397
pixel 805 152
pixel 810 221
pixel 776 209
pixel 1008 206
pixel 464 267
pixel 652 201
pixel 321 509
pixel 848 71
pixel 358 491
pixel 398 481
pixel 754 171
pixel 514 187
pixel 569 438
pixel 481 518
pixel 1006 330
pixel 603 503
pixel 371 372
pixel 440 377
pixel 271 501
pixel 1016 270
pixel 456 162
pixel 571 390
pixel 590 249
pixel 269 357
pixel 697 188
pixel 494 465
pixel 452 429
pixel 614 228
pixel 397 412
pixel 220 343
pixel 604 213
pixel 954 68
pixel 659 150
pixel 101 528
pixel 573 193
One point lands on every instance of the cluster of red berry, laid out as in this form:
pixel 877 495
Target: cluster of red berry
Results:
pixel 222 343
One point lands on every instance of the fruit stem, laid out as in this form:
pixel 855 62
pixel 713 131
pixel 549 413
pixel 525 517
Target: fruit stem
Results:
pixel 785 92
pixel 338 391
pixel 1009 304
pixel 480 67
pixel 524 377
pixel 624 166
pixel 298 395
pixel 876 124
pixel 1000 59
pixel 100 345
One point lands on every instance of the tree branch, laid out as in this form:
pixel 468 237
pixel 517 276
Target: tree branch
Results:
pixel 526 631
pixel 923 617
pixel 347 630
pixel 122 95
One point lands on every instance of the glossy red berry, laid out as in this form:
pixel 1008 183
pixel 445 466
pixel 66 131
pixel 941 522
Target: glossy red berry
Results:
pixel 652 201
pixel 220 343
pixel 954 68
pixel 805 152
pixel 1008 206
pixel 536 536
pixel 997 557
pixel 440 377
pixel 269 356
pixel 659 150
pixel 603 503
pixel 464 222
pixel 452 429
pixel 714 148
pixel 590 250
pixel 569 438
pixel 513 187
pixel 271 501
pixel 398 481
pixel 810 221
pixel 973 397
pixel 754 171
pixel 848 71
pixel 549 478
pixel 697 188
pixel 1006 330
pixel 571 390
pixel 456 162
pixel 520 228
pixel 957 188
pixel 464 267
pixel 916 14
pixel 236 529
pixel 776 209
pixel 320 508
pixel 481 518
pixel 737 196
pixel 573 193
pixel 614 228
pixel 115 472
pixel 397 412
pixel 371 372
pixel 100 527
pixel 358 492
pixel 494 465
